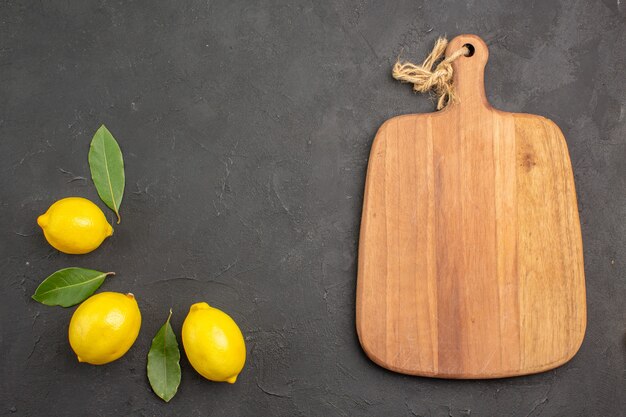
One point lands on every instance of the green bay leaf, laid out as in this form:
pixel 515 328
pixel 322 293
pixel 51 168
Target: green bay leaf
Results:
pixel 69 286
pixel 163 363
pixel 107 169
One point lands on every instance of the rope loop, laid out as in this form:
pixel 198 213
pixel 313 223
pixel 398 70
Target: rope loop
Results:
pixel 434 74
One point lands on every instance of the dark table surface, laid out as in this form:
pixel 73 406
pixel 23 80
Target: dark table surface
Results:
pixel 246 129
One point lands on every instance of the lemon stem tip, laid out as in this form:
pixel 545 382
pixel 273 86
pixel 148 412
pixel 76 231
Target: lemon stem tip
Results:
pixel 200 306
pixel 42 220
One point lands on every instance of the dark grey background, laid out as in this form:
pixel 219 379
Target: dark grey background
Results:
pixel 246 129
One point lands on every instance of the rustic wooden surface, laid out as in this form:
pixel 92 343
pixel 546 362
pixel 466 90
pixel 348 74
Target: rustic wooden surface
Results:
pixel 470 257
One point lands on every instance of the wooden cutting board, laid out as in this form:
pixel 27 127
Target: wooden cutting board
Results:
pixel 470 255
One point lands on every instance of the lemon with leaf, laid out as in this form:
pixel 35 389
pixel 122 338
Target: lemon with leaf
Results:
pixel 104 327
pixel 213 343
pixel 74 225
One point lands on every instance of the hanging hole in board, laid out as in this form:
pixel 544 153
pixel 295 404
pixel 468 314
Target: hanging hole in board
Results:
pixel 470 49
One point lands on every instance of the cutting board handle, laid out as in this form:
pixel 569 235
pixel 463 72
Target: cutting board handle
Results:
pixel 469 72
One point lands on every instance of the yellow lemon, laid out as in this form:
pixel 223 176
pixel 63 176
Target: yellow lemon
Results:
pixel 74 225
pixel 104 327
pixel 213 343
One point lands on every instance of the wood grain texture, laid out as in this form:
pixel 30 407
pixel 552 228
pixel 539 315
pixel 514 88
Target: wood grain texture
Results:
pixel 470 255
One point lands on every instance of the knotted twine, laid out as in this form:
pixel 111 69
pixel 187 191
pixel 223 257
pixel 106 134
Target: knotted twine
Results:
pixel 431 75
